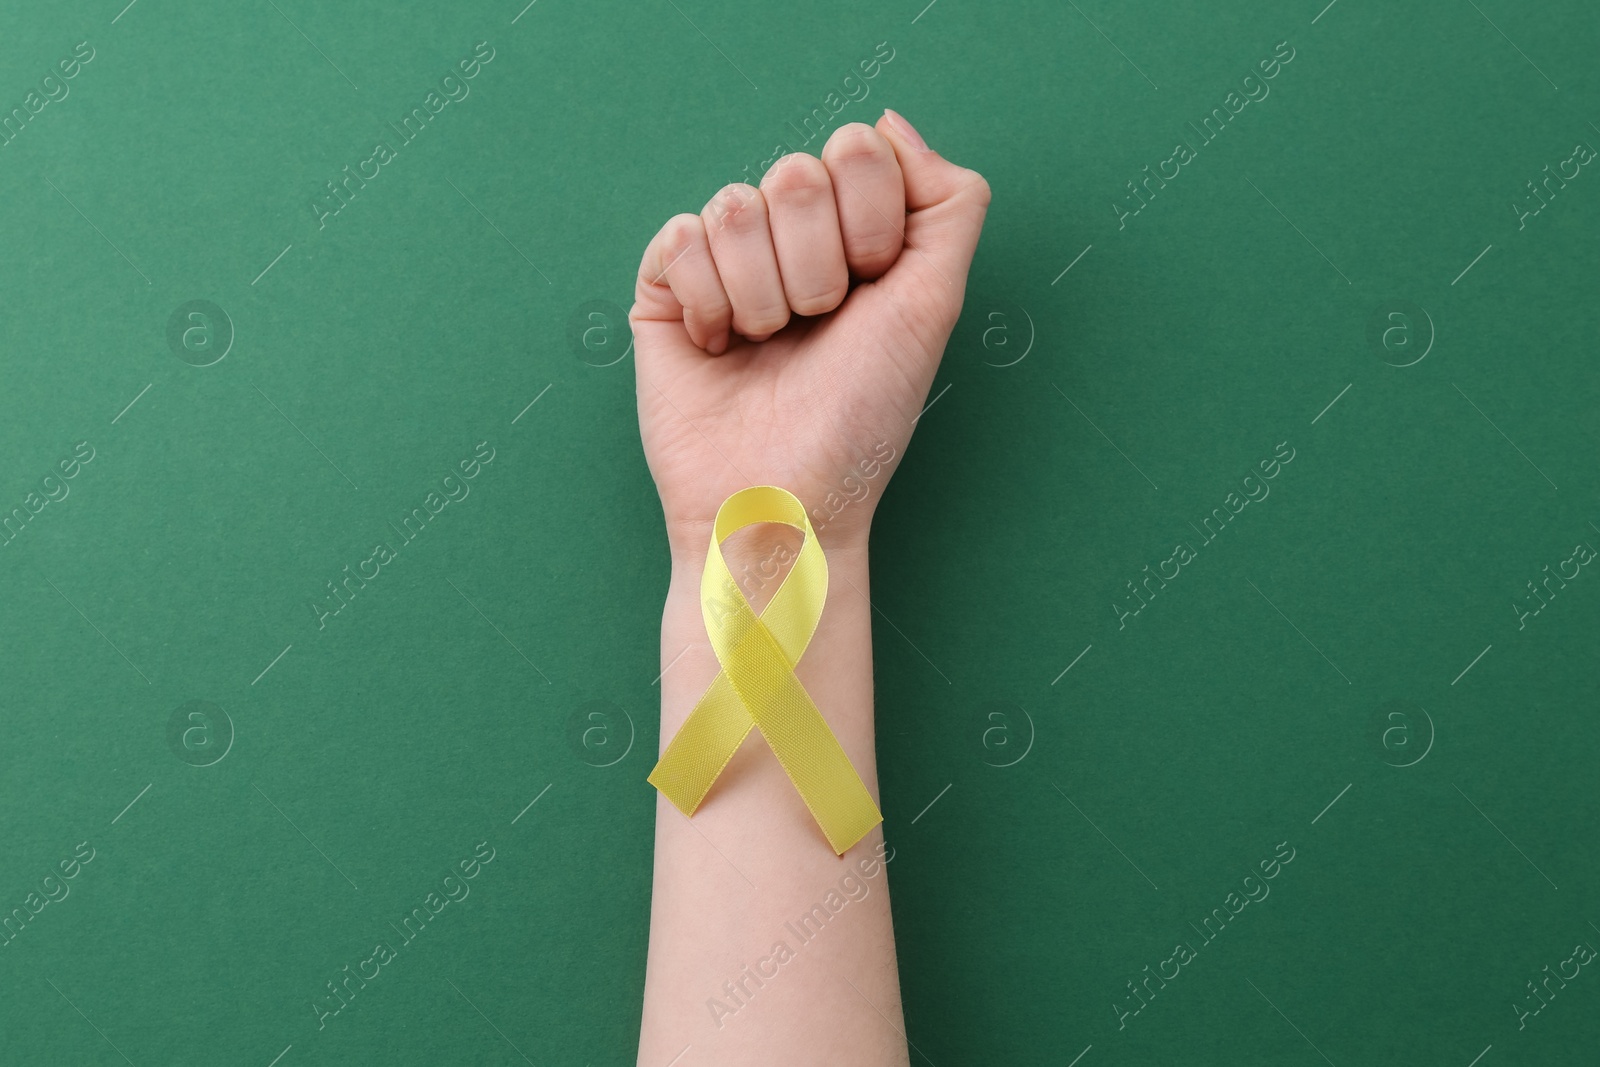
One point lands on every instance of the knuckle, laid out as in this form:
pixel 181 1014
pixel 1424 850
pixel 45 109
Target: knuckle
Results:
pixel 797 179
pixel 705 319
pixel 821 303
pixel 712 307
pixel 853 142
pixel 977 187
pixel 735 207
pixel 872 245
pixel 755 321
pixel 681 234
pixel 708 316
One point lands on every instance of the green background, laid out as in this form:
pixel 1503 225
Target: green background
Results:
pixel 1351 640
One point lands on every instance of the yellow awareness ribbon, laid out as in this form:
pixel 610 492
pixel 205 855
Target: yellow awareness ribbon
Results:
pixel 757 684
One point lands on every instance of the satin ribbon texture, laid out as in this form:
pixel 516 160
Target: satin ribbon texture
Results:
pixel 757 686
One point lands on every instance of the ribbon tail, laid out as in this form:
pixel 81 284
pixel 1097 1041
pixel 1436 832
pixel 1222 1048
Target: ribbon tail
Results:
pixel 800 737
pixel 702 747
pixel 823 775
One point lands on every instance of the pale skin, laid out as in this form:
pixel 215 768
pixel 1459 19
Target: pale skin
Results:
pixel 784 336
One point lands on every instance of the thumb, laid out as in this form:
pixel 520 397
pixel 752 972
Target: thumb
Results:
pixel 945 209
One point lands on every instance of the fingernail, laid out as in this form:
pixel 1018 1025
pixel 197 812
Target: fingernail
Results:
pixel 905 129
pixel 719 343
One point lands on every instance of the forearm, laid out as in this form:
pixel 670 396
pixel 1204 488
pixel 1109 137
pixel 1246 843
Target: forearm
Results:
pixel 765 947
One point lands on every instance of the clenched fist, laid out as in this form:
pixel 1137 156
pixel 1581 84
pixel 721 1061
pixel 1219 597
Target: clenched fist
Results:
pixel 784 333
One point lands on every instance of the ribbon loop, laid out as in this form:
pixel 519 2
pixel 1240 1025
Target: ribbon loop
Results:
pixel 757 686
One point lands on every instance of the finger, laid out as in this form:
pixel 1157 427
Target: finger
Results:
pixel 678 279
pixel 946 205
pixel 805 234
pixel 741 243
pixel 870 196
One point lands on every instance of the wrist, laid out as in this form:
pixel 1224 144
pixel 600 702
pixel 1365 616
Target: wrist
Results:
pixel 838 661
pixel 688 543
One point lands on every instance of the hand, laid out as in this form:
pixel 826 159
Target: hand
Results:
pixel 759 364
